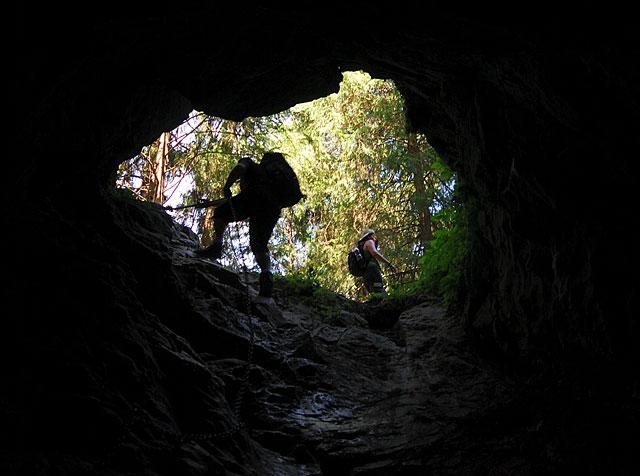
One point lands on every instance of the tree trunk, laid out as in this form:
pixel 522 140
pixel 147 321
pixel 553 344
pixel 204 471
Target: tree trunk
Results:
pixel 420 198
pixel 158 169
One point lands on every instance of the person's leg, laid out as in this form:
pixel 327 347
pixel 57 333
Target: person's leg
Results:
pixel 260 229
pixel 230 211
pixel 214 250
pixel 373 279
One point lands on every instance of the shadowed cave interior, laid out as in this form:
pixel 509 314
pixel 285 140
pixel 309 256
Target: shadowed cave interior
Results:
pixel 122 342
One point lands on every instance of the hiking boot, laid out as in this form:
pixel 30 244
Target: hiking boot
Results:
pixel 214 251
pixel 266 284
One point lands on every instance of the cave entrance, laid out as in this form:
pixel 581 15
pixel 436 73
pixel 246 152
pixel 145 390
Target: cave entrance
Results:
pixel 357 165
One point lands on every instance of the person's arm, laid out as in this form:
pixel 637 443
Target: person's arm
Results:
pixel 371 248
pixel 236 173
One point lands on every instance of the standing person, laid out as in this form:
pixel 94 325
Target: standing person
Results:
pixel 373 281
pixel 265 189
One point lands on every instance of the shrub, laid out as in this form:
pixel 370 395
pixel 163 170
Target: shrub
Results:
pixel 442 264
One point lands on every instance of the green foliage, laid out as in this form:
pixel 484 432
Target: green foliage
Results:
pixel 306 289
pixel 442 264
pixel 298 284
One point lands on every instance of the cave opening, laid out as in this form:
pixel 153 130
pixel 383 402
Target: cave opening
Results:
pixel 127 344
pixel 358 165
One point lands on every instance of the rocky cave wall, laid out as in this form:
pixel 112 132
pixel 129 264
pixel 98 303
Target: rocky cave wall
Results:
pixel 536 117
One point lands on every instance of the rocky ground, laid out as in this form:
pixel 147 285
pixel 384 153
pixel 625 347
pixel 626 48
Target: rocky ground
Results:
pixel 342 388
pixel 339 387
pixel 404 400
pixel 172 368
pixel 336 387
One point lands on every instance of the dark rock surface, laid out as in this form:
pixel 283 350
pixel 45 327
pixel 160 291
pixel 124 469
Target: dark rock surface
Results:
pixel 197 379
pixel 109 318
pixel 535 113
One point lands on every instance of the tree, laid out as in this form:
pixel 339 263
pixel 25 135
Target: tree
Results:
pixel 356 163
pixel 158 168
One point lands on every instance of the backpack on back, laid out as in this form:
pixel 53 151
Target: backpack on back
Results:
pixel 283 181
pixel 356 262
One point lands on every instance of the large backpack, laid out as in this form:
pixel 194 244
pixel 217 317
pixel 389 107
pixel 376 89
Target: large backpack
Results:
pixel 283 182
pixel 356 262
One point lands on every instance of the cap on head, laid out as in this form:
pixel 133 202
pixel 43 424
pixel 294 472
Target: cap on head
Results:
pixel 366 232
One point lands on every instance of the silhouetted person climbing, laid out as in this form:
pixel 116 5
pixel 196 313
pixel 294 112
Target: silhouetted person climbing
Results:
pixel 265 189
pixel 373 281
